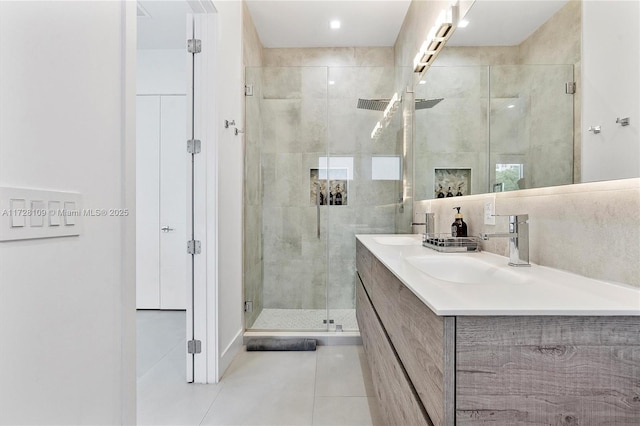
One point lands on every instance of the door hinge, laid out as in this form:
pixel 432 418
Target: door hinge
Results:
pixel 194 45
pixel 570 88
pixel 194 146
pixel 248 306
pixel 194 247
pixel 194 346
pixel 248 89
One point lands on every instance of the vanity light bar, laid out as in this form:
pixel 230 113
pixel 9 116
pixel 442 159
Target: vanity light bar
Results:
pixel 434 42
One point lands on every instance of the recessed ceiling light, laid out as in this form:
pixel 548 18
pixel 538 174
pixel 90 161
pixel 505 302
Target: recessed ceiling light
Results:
pixel 463 23
pixel 331 82
pixel 334 25
pixel 422 82
pixel 511 106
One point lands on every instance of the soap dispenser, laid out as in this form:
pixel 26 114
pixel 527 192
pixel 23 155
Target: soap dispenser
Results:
pixel 458 227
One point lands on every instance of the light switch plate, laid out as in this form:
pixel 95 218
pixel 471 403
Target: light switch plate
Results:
pixel 43 214
pixel 70 213
pixel 18 213
pixel 490 211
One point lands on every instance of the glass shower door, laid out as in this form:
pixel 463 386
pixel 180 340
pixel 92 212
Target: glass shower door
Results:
pixel 286 199
pixel 532 127
pixel 365 177
pixel 314 178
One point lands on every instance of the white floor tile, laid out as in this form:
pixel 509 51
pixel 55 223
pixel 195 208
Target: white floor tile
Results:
pixel 158 332
pixel 285 368
pixel 165 398
pixel 262 404
pixel 331 386
pixel 343 371
pixel 346 411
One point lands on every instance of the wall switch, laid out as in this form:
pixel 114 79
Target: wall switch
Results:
pixel 38 212
pixel 54 210
pixel 70 213
pixel 490 211
pixel 18 210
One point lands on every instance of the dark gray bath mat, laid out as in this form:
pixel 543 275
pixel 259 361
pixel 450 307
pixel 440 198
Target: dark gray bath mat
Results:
pixel 270 344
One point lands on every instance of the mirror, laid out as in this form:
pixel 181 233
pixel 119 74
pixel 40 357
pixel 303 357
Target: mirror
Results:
pixel 497 116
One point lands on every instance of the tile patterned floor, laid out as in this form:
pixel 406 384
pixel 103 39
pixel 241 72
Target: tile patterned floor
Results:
pixel 331 386
pixel 304 319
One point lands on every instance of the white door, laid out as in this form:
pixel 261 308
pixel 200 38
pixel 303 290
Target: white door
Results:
pixel 147 202
pixel 173 202
pixel 161 220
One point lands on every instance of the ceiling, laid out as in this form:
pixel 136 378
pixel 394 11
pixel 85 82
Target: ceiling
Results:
pixel 165 27
pixel 305 23
pixel 503 23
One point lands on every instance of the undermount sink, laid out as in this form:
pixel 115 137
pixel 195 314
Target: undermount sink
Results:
pixel 397 241
pixel 464 269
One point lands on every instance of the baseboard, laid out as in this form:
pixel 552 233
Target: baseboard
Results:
pixel 230 352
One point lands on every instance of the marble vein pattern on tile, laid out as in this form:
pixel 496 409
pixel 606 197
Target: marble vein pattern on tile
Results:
pixel 281 123
pixel 282 83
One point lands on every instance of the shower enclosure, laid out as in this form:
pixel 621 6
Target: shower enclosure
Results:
pixel 314 178
pixel 497 128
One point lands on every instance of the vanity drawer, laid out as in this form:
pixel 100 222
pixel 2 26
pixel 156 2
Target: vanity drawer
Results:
pixel 424 341
pixel 399 404
pixel 363 262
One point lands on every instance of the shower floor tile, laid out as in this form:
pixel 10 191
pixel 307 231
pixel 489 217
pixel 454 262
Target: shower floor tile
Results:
pixel 305 319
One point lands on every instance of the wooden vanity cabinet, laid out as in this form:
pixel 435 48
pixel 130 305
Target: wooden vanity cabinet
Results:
pixel 504 370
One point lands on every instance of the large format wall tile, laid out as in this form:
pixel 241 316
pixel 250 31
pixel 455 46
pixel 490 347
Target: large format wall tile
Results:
pixel 590 229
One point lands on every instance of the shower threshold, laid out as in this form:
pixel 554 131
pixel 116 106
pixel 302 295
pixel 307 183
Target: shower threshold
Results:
pixel 292 323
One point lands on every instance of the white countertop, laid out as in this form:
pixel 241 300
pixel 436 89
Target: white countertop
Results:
pixel 539 290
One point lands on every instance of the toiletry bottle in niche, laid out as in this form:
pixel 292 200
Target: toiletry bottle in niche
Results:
pixel 449 193
pixel 458 227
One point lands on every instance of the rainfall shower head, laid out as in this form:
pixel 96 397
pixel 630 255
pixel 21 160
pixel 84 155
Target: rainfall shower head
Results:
pixel 381 104
pixel 427 103
pixel 373 104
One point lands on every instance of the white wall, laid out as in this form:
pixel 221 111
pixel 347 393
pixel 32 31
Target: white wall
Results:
pixel 611 80
pixel 230 89
pixel 162 71
pixel 66 333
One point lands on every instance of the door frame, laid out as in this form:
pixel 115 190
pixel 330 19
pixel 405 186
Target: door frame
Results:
pixel 204 366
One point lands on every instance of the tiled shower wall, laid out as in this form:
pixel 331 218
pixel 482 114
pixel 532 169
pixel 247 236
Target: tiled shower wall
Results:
pixel 530 122
pixel 296 116
pixel 252 239
pixel 552 47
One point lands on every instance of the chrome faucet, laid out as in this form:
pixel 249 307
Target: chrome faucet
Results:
pixel 518 239
pixel 428 223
